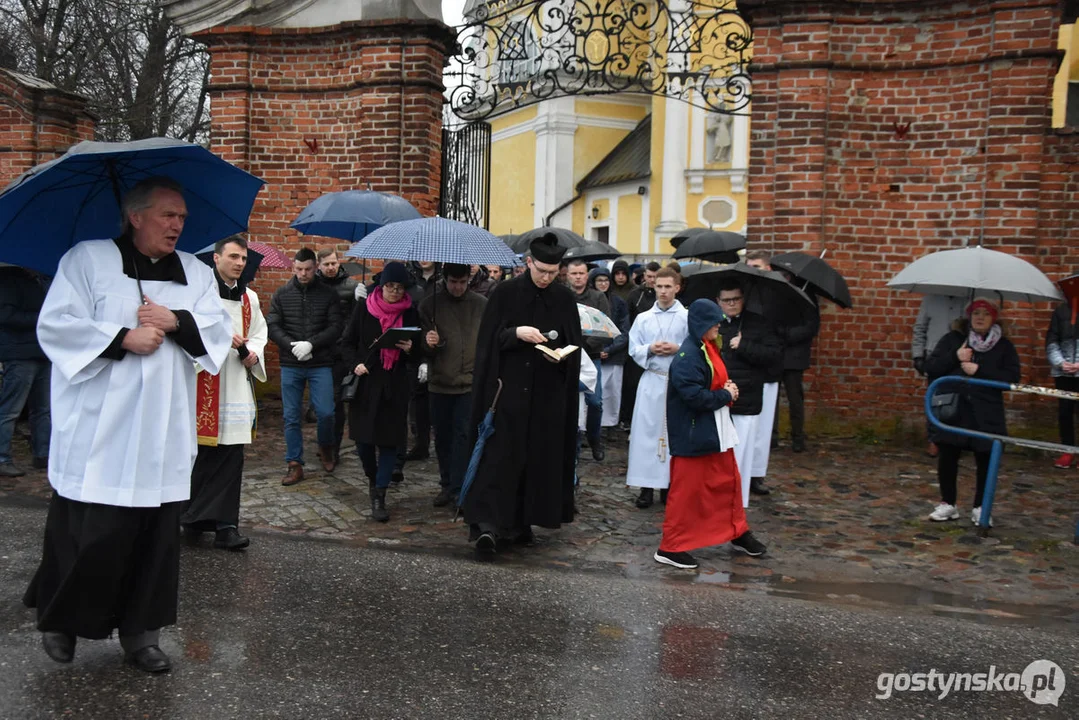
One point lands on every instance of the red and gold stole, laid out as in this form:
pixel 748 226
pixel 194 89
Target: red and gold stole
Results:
pixel 208 390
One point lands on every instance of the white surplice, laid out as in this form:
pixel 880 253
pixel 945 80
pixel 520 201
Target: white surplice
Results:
pixel 763 440
pixel 123 431
pixel 649 448
pixel 236 402
pixel 746 427
pixel 588 378
pixel 612 393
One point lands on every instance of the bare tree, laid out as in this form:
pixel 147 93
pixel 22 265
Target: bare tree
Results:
pixel 143 77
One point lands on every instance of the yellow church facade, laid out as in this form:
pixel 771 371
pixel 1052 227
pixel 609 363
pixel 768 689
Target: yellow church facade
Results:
pixel 630 170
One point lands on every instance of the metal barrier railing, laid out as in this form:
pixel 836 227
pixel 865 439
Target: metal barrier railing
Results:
pixel 998 440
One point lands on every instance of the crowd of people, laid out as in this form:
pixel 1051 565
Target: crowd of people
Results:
pixel 148 358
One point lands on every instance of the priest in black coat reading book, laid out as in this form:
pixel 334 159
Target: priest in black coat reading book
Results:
pixel 526 474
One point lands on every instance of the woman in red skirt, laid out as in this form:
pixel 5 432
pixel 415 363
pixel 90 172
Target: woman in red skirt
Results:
pixel 704 505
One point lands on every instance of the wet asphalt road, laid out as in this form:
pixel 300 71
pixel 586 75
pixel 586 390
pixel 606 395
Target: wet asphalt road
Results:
pixel 300 628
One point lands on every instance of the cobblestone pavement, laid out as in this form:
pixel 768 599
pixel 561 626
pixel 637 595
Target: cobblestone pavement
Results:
pixel 840 512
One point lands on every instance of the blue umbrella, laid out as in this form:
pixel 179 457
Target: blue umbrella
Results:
pixel 353 214
pixel 485 430
pixel 77 197
pixel 435 239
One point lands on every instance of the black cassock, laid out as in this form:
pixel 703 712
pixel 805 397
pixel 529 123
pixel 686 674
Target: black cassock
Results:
pixel 526 474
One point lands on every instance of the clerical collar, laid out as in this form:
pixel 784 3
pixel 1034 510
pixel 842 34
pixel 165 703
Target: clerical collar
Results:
pixel 236 292
pixel 138 266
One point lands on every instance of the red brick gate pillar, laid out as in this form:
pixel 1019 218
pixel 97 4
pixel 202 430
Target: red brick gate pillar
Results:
pixel 882 131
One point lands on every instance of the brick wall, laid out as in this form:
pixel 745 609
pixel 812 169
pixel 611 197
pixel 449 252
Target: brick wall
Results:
pixel 311 111
pixel 38 122
pixel 971 82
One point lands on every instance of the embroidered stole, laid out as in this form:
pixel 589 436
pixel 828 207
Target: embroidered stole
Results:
pixel 208 390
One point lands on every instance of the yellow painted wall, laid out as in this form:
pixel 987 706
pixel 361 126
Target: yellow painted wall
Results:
pixel 610 110
pixel 1069 71
pixel 713 187
pixel 629 224
pixel 513 183
pixel 590 145
pixel 659 116
pixel 604 208
pixel 516 117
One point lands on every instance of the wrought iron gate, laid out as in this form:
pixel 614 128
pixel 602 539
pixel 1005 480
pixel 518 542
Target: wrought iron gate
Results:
pixel 466 174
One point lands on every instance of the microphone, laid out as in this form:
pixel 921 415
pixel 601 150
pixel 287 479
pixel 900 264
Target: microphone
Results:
pixel 551 335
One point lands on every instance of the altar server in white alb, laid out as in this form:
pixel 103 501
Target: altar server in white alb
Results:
pixel 123 324
pixel 225 408
pixel 654 339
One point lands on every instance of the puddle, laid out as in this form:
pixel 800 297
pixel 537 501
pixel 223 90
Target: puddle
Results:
pixel 878 595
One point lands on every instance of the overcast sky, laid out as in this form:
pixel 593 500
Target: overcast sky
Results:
pixel 451 11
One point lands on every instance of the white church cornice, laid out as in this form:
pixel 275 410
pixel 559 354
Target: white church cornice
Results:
pixel 194 16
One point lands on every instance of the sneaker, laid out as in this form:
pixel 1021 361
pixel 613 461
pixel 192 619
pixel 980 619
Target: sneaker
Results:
pixel 486 544
pixel 943 512
pixel 749 544
pixel 676 559
pixel 10 469
pixel 1064 461
pixel 646 498
pixel 976 517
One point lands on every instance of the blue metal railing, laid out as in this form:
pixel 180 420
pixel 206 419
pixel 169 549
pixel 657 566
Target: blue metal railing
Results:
pixel 998 440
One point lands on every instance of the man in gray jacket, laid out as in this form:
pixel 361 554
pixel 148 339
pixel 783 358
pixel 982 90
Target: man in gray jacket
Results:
pixel 935 318
pixel 451 316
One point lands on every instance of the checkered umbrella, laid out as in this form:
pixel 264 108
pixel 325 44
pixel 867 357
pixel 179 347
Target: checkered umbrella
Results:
pixel 435 239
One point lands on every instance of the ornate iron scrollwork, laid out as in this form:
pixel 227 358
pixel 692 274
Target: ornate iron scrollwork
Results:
pixel 515 53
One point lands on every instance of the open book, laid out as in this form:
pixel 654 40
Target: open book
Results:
pixel 558 355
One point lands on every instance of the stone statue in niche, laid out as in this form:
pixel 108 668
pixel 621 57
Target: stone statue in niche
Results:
pixel 719 138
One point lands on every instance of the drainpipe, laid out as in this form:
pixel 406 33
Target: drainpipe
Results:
pixel 563 206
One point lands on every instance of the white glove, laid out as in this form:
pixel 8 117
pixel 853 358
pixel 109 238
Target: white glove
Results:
pixel 302 350
pixel 422 374
pixel 361 291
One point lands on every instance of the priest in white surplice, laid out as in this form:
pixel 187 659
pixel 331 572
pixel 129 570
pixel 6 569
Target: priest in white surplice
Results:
pixel 653 340
pixel 225 408
pixel 123 323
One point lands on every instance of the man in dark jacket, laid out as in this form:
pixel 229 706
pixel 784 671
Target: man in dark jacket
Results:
pixel 305 323
pixel 451 319
pixel 577 276
pixel 621 284
pixel 750 349
pixel 641 299
pixel 24 369
pixel 331 273
pixel 797 356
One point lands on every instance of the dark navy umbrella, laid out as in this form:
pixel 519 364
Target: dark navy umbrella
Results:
pixel 77 197
pixel 566 238
pixel 353 214
pixel 435 239
pixel 485 430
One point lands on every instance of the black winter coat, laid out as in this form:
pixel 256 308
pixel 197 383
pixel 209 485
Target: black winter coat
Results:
pixel 21 298
pixel 379 414
pixel 311 313
pixel 979 408
pixel 798 343
pixel 748 365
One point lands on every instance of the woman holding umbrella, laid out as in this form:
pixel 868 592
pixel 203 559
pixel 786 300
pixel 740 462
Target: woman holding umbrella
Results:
pixel 976 347
pixel 378 416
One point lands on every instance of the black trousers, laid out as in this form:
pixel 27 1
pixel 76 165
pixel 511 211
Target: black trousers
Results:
pixel 106 567
pixel 792 385
pixel 215 488
pixel 340 409
pixel 1066 410
pixel 948 473
pixel 631 378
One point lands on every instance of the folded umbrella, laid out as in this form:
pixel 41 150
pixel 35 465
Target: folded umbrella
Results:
pixel 353 214
pixel 592 250
pixel 596 324
pixel 791 304
pixel 566 238
pixel 434 239
pixel 714 245
pixel 976 269
pixel 485 430
pixel 77 196
pixel 818 277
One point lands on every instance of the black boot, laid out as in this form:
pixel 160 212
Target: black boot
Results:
pixel 378 505
pixel 756 487
pixel 646 498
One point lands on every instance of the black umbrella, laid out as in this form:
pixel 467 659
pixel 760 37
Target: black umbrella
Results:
pixel 509 239
pixel 819 277
pixel 682 236
pixel 592 250
pixel 566 238
pixel 254 259
pixel 712 245
pixel 790 304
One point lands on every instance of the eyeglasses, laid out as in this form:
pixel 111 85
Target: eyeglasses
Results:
pixel 731 301
pixel 544 273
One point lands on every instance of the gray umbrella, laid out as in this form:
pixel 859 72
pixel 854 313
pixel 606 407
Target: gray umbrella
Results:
pixel 973 269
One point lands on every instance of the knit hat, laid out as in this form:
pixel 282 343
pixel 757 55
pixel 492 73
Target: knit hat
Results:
pixel 985 304
pixel 394 272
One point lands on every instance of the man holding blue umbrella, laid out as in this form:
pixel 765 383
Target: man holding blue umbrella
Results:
pixel 123 323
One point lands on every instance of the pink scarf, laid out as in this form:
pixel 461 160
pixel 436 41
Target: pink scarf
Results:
pixel 388 316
